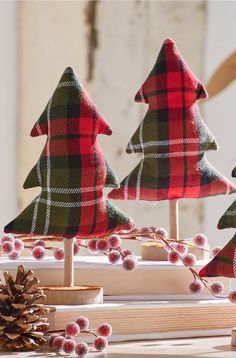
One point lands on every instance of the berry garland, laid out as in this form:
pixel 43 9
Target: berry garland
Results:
pixel 64 340
pixel 110 246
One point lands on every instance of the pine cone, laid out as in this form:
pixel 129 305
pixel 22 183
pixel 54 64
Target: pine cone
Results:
pixel 22 326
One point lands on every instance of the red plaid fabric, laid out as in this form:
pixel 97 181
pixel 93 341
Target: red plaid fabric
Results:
pixel 172 137
pixel 71 171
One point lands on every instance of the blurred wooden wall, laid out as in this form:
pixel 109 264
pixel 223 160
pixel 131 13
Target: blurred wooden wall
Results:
pixel 112 46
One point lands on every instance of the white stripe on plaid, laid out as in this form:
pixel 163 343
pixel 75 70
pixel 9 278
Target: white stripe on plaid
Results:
pixel 230 212
pixel 35 214
pixel 173 155
pixel 38 172
pixel 141 164
pixel 36 205
pixel 38 128
pixel 126 186
pixel 142 96
pixel 68 84
pixel 73 190
pixel 47 219
pixel 69 204
pixel 132 146
pixel 234 263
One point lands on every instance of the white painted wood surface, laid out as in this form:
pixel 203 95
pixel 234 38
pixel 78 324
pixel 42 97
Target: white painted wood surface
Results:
pixel 218 347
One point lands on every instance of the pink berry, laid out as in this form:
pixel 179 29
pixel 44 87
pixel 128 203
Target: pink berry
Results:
pixel 215 251
pixel 14 256
pixel 92 246
pixel 7 237
pixel 51 338
pixel 129 263
pixel 189 260
pixel 39 243
pixel 200 240
pixel 102 245
pixel 59 254
pixel 145 229
pixel 196 286
pixel 83 323
pixel 19 245
pixel 100 343
pixel 58 342
pixel 38 252
pixel 114 241
pixel 181 248
pixel 232 296
pixel 8 247
pixel 114 257
pixel 81 349
pixel 68 346
pixel 160 231
pixel 127 253
pixel 104 330
pixel 173 257
pixel 217 288
pixel 72 329
pixel 76 248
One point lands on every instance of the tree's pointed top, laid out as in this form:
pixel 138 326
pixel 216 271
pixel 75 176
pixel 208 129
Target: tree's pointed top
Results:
pixel 171 82
pixel 169 41
pixel 234 172
pixel 70 100
pixel 69 75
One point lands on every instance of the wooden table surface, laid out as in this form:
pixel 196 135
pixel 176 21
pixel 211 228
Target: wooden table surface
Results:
pixel 218 347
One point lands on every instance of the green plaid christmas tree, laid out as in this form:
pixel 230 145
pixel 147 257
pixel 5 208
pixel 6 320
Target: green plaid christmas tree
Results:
pixel 224 263
pixel 72 171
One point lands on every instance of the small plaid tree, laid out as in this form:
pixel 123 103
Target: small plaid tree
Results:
pixel 172 138
pixel 72 173
pixel 224 263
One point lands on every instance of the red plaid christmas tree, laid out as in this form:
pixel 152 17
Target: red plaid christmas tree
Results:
pixel 224 263
pixel 172 138
pixel 71 171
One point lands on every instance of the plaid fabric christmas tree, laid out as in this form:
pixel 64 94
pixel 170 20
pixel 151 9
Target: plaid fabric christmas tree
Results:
pixel 71 171
pixel 224 263
pixel 172 137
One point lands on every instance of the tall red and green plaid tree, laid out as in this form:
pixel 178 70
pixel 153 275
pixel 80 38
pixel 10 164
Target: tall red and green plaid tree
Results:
pixel 172 138
pixel 224 263
pixel 72 171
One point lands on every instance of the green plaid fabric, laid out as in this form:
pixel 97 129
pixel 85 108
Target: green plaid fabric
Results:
pixel 234 173
pixel 223 264
pixel 228 219
pixel 71 171
pixel 172 137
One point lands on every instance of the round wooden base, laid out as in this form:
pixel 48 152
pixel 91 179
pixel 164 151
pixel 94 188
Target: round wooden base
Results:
pixel 75 295
pixel 155 251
